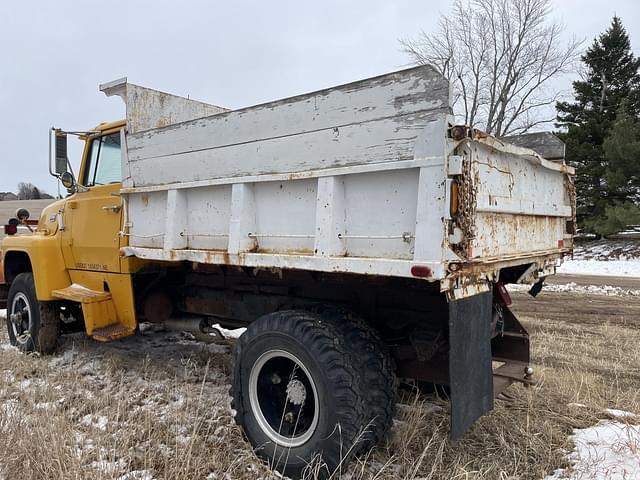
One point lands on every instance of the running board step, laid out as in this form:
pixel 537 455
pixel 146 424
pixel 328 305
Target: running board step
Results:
pixel 98 310
pixel 80 294
pixel 112 332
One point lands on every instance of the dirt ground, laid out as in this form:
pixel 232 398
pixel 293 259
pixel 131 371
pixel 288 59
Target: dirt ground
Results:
pixel 156 406
pixel 580 310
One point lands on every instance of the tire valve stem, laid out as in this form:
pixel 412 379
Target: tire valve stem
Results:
pixel 275 379
pixel 289 417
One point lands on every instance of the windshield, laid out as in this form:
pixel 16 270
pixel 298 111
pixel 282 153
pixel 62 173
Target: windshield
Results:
pixel 104 161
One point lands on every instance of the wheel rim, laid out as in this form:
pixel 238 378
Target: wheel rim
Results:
pixel 20 318
pixel 284 398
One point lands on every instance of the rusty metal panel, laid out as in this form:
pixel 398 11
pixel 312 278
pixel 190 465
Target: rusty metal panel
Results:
pixel 148 108
pixel 514 202
pixel 501 234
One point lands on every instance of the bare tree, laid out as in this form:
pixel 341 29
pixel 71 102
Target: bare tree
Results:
pixel 28 191
pixel 499 55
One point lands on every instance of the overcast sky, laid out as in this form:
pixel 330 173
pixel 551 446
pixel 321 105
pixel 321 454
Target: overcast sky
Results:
pixel 233 54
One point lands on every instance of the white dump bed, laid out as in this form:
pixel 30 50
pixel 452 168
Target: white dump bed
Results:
pixel 354 179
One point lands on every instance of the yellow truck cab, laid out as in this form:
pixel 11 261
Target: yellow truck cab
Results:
pixel 74 255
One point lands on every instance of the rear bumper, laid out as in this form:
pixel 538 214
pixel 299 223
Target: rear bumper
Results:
pixel 471 277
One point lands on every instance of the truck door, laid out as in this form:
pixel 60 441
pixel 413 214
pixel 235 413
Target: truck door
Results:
pixel 93 216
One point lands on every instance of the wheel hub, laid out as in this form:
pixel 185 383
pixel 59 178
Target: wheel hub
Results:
pixel 16 318
pixel 20 318
pixel 296 392
pixel 284 399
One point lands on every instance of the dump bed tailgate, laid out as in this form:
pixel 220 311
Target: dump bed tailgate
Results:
pixel 516 204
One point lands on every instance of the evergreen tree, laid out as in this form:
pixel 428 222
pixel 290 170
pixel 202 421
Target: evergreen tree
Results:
pixel 611 83
pixel 622 177
pixel 622 153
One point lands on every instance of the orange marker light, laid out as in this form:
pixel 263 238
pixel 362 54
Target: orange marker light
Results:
pixel 453 207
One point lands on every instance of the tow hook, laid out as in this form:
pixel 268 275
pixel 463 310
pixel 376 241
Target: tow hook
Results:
pixel 528 374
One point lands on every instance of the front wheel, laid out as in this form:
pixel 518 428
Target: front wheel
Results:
pixel 33 326
pixel 297 392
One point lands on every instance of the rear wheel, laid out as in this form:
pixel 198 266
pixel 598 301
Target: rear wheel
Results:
pixel 33 326
pixel 297 393
pixel 377 371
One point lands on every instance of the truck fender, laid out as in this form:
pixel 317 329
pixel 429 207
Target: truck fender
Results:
pixel 46 264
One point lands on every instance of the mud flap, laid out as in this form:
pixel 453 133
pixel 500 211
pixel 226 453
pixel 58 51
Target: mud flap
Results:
pixel 470 370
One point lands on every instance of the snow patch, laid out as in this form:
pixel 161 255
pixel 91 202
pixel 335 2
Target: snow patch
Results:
pixel 226 333
pixel 572 287
pixel 25 384
pixel 83 444
pixel 107 467
pixel 96 421
pixel 7 347
pixel 9 408
pixel 616 268
pixel 627 249
pixel 47 406
pixel 66 359
pixel 607 451
pixel 137 475
pixel 619 413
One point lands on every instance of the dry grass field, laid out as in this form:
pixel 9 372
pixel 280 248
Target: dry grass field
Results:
pixel 156 406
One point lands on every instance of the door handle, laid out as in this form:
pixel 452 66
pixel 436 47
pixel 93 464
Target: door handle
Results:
pixel 112 208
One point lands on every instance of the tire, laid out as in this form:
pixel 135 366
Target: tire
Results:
pixel 38 328
pixel 377 372
pixel 319 412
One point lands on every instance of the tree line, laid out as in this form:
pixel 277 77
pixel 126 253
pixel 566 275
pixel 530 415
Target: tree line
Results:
pixel 26 191
pixel 502 58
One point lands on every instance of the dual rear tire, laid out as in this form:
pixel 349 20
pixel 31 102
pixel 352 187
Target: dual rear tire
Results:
pixel 311 389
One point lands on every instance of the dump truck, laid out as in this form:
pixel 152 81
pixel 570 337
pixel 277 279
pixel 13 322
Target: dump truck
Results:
pixel 363 238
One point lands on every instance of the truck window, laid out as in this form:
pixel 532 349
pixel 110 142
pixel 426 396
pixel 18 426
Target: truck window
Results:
pixel 104 161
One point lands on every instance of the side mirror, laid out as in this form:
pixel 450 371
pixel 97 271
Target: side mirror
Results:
pixel 61 153
pixel 68 181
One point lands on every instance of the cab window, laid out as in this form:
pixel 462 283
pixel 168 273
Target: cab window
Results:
pixel 104 165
